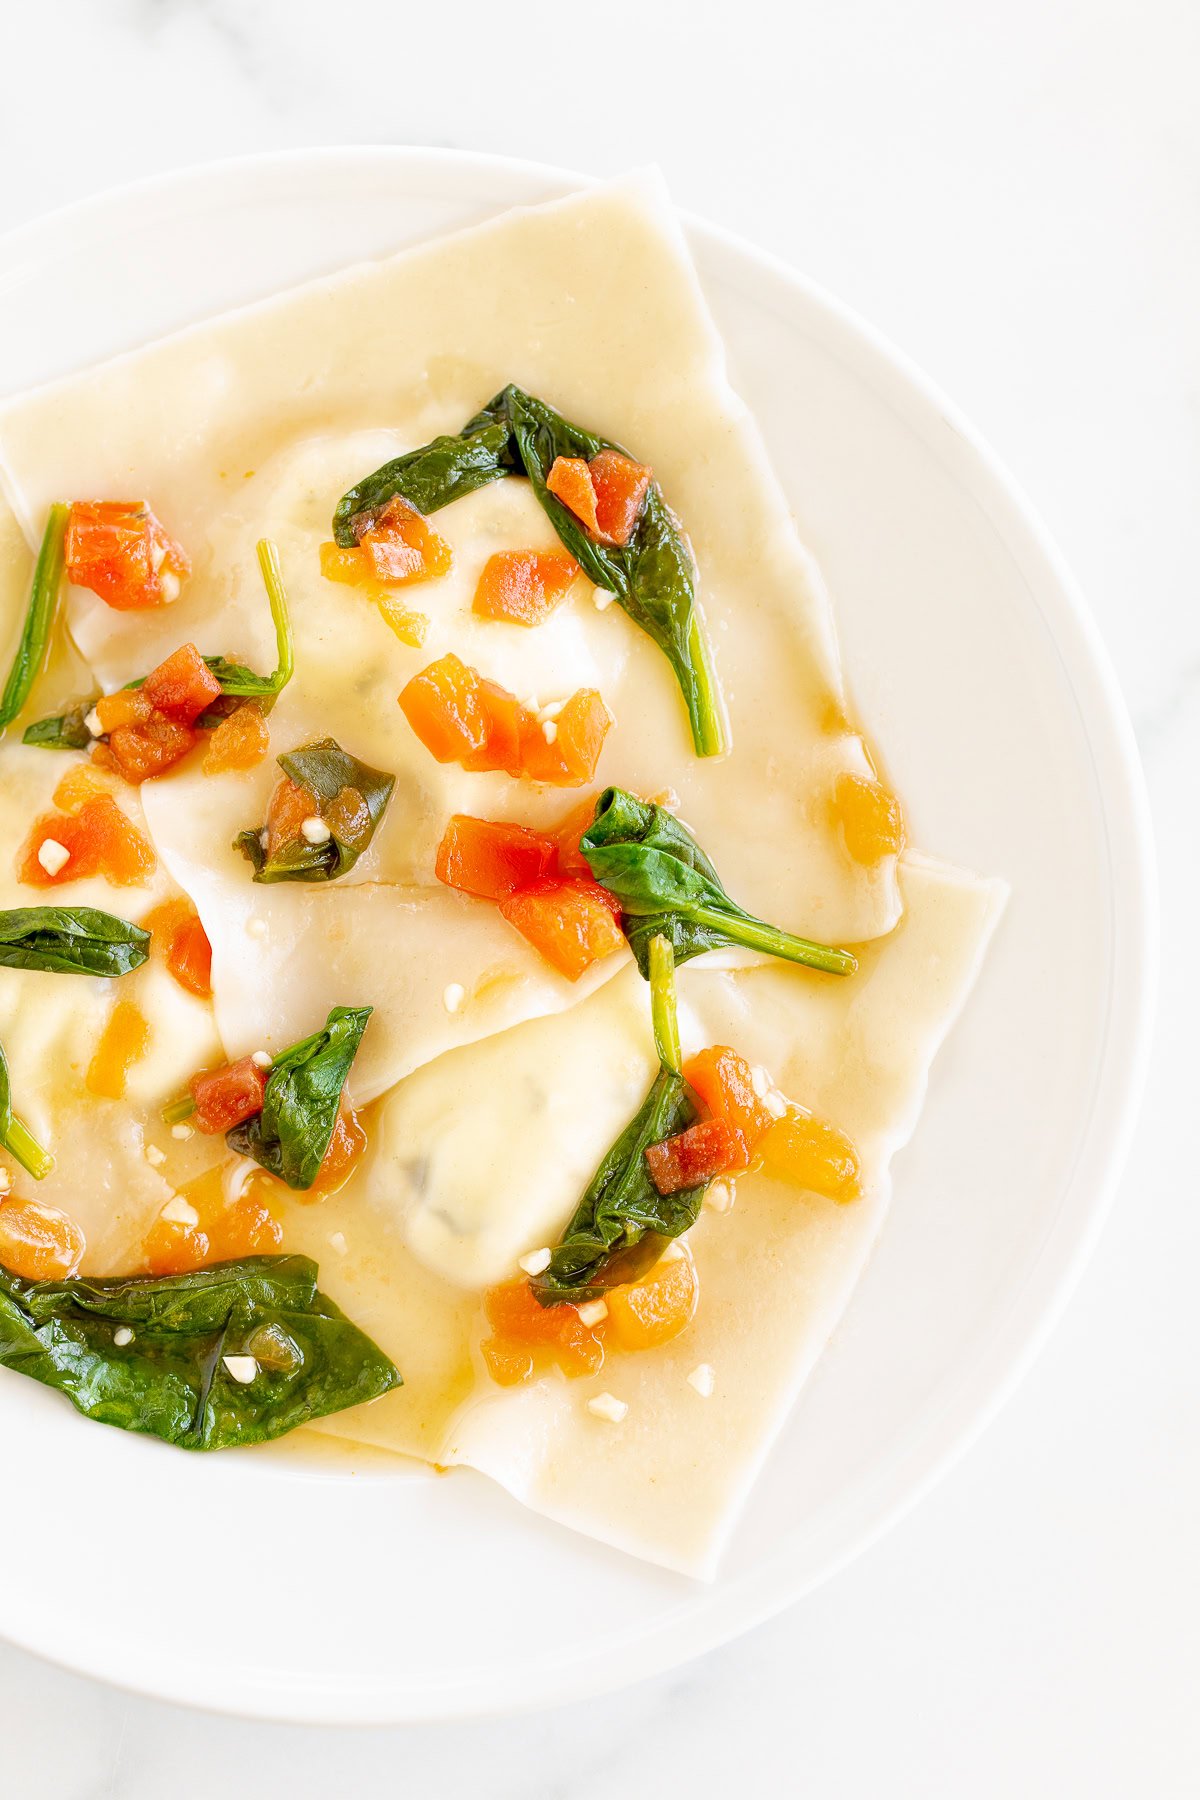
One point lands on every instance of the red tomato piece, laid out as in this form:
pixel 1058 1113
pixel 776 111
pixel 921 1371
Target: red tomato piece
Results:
pixel 570 480
pixel 724 1081
pixel 524 586
pixel 119 550
pixel 571 923
pixel 694 1156
pixel 182 687
pixel 521 1324
pixel 190 957
pixel 401 546
pixel 99 839
pixel 140 752
pixel 229 1096
pixel 621 486
pixel 490 860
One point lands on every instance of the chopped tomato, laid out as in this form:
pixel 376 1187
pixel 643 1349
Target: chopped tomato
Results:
pixel 190 958
pixel 724 1081
pixel 338 564
pixel 694 1157
pixel 524 586
pixel 77 785
pixel 443 706
pixel 38 1243
pixel 488 859
pixel 173 1248
pixel 401 546
pixel 813 1154
pixel 572 923
pixel 202 1225
pixel 569 758
pixel 128 706
pixel 229 1096
pixel 99 840
pixel 409 626
pixel 183 686
pixel 239 742
pixel 570 480
pixel 507 722
pixel 244 1227
pixel 658 1307
pixel 347 1144
pixel 143 751
pixel 506 1362
pixel 122 1043
pixel 621 486
pixel 289 806
pixel 571 860
pixel 520 1324
pixel 869 816
pixel 123 553
pixel 462 717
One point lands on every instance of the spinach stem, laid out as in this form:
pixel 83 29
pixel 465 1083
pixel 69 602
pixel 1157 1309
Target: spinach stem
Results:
pixel 39 618
pixel 178 1110
pixel 24 1146
pixel 708 712
pixel 757 936
pixel 663 1012
pixel 272 574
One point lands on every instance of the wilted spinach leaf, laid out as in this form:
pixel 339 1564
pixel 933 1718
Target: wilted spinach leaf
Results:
pixel 353 798
pixel 653 576
pixel 71 940
pixel 300 1106
pixel 39 617
pixel 666 886
pixel 65 731
pixel 170 1379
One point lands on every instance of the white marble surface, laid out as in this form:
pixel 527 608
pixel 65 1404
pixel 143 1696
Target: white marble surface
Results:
pixel 1010 192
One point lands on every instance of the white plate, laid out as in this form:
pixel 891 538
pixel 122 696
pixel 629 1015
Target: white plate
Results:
pixel 254 1584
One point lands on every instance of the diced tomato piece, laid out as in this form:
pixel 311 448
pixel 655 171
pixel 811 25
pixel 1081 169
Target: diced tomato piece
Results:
pixel 123 553
pixel 724 1081
pixel 202 1225
pixel 486 858
pixel 580 731
pixel 183 686
pixel 571 923
pixel 123 1042
pixel 190 958
pixel 620 486
pixel 813 1154
pixel 289 806
pixel 345 1147
pixel 507 721
pixel 401 546
pixel 570 480
pixel 524 586
pixel 348 565
pixel 696 1156
pixel 557 1332
pixel 142 751
pixel 507 1363
pixel 38 1243
pixel 443 707
pixel 658 1307
pixel 239 742
pixel 99 840
pixel 244 1227
pixel 571 860
pixel 78 785
pixel 870 818
pixel 229 1096
pixel 409 626
pixel 128 706
pixel 174 1249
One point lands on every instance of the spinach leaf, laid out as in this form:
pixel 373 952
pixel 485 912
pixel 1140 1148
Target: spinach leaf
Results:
pixel 653 576
pixel 15 1136
pixel 665 884
pixel 620 1226
pixel 170 1378
pixel 300 1106
pixel 71 940
pixel 39 617
pixel 66 731
pixel 352 797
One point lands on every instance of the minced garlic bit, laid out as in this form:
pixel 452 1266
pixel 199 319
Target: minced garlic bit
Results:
pixel 719 1195
pixel 549 730
pixel 53 856
pixel 256 927
pixel 337 1241
pixel 703 1380
pixel 315 831
pixel 673 1251
pixel 122 1335
pixel 182 1132
pixel 592 1311
pixel 154 1156
pixel 262 1059
pixel 551 709
pixel 169 584
pixel 607 1406
pixel 5 1181
pixel 453 995
pixel 92 721
pixel 242 1368
pixel 603 598
pixel 535 1262
pixel 775 1103
pixel 180 1212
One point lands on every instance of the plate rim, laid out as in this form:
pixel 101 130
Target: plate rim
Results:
pixel 1000 1366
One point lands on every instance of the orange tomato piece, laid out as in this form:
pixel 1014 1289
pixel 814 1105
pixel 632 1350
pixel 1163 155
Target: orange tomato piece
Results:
pixel 813 1154
pixel 99 839
pixel 347 1144
pixel 570 480
pixel 401 546
pixel 572 923
pixel 119 550
pixel 128 706
pixel 244 1227
pixel 190 957
pixel 141 751
pixel 348 565
pixel 656 1308
pixel 203 1225
pixel 694 1157
pixel 556 1333
pixel 229 1096
pixel 506 722
pixel 571 860
pixel 462 717
pixel 580 731
pixel 183 686
pixel 489 859
pixel 620 486
pixel 507 1363
pixel 240 741
pixel 724 1082
pixel 38 1243
pixel 170 1248
pixel 870 818
pixel 77 785
pixel 123 1042
pixel 443 706
pixel 409 626
pixel 523 586
pixel 289 806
